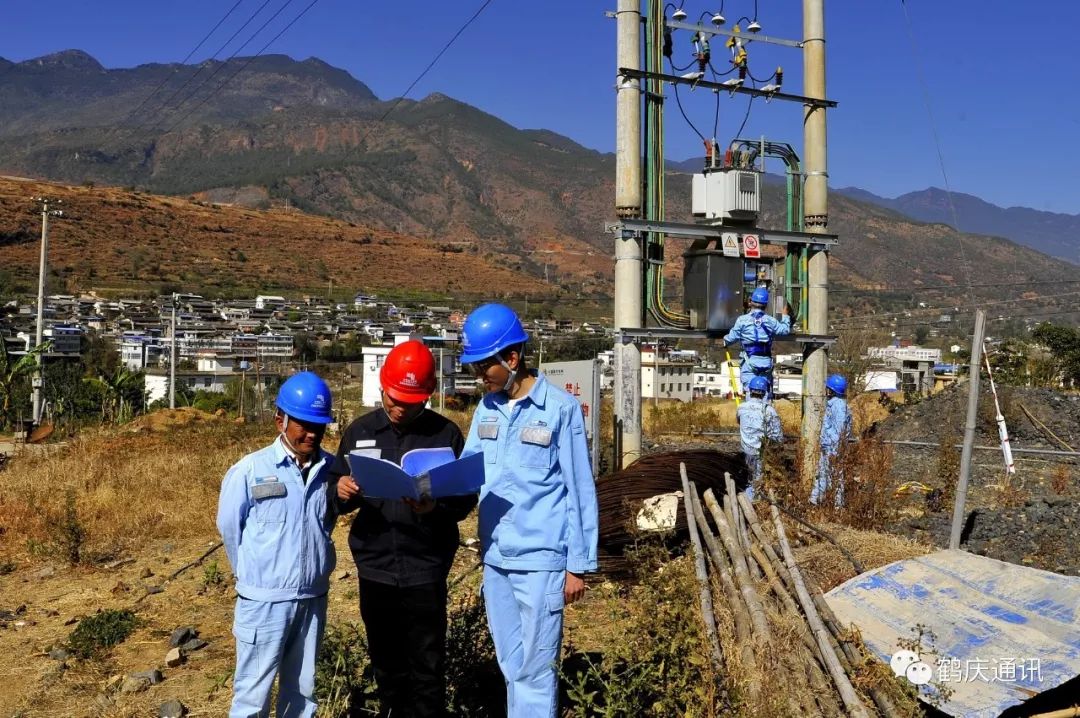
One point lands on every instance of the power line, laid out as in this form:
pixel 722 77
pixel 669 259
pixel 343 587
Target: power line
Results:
pixel 937 146
pixel 188 57
pixel 198 70
pixel 427 69
pixel 248 62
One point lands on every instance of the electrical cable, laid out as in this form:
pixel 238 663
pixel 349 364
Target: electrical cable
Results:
pixel 953 307
pixel 200 68
pixel 746 117
pixel 678 102
pixel 246 63
pixel 906 318
pixel 766 81
pixel 186 58
pixel 426 70
pixel 937 144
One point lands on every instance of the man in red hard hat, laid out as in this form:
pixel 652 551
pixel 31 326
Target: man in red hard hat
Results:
pixel 403 549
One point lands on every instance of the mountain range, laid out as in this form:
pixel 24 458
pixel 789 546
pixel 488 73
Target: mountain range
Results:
pixel 269 132
pixel 1052 233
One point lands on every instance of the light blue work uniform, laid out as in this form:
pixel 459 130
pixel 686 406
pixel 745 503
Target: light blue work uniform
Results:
pixel 538 520
pixel 757 419
pixel 835 429
pixel 755 331
pixel 276 530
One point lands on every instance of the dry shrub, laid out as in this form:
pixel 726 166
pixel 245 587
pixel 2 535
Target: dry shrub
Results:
pixel 864 468
pixel 653 656
pixel 118 490
pixel 1060 481
pixel 1012 495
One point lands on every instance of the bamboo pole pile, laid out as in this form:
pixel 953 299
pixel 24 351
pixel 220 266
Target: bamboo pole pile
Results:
pixel 780 646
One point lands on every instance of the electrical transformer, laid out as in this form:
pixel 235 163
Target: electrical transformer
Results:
pixel 726 194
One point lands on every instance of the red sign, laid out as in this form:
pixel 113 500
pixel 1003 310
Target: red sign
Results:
pixel 751 250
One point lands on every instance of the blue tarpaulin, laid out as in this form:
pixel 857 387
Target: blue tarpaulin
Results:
pixel 994 633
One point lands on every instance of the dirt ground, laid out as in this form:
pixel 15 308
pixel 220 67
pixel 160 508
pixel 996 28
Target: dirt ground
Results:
pixel 47 599
pixel 1031 519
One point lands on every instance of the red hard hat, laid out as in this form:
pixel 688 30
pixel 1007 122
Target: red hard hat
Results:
pixel 408 373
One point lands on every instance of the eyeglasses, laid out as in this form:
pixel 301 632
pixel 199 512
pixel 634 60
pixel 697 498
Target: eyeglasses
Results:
pixel 480 368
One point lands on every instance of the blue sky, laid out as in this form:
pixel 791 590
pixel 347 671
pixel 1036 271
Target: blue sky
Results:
pixel 1000 80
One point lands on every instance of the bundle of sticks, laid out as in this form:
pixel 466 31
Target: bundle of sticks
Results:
pixel 766 594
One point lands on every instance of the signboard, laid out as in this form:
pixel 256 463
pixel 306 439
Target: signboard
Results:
pixel 581 380
pixel 730 244
pixel 751 250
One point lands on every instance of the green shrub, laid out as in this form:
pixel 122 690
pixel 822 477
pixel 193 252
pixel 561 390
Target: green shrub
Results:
pixel 68 533
pixel 343 682
pixel 98 633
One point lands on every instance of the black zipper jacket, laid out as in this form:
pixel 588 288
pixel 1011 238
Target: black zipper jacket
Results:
pixel 390 543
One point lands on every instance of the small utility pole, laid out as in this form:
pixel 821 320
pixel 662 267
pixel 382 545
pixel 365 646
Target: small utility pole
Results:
pixel 816 218
pixel 442 389
pixel 43 269
pixel 172 358
pixel 969 428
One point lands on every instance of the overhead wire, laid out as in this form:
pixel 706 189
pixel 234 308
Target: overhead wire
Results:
pixel 678 102
pixel 246 63
pixel 937 145
pixel 749 106
pixel 183 62
pixel 199 69
pixel 427 69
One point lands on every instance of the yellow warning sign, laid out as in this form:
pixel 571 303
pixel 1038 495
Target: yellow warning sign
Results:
pixel 730 244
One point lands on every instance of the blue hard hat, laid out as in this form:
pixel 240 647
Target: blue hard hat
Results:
pixel 488 330
pixel 837 384
pixel 760 296
pixel 759 383
pixel 305 396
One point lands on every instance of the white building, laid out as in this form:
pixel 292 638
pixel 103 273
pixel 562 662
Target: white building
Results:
pixel 662 378
pixel 716 381
pixel 141 351
pixel 373 358
pixel 269 301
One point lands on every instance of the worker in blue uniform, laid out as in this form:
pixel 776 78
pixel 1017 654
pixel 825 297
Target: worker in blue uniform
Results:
pixel 275 525
pixel 755 331
pixel 757 420
pixel 538 512
pixel 835 431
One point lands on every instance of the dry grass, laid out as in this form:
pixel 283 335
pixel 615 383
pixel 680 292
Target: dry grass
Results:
pixel 151 495
pixel 828 567
pixel 708 415
pixel 128 489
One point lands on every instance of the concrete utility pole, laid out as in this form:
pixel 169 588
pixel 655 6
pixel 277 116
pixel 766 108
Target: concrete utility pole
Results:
pixel 816 219
pixel 628 276
pixel 969 429
pixel 172 358
pixel 38 380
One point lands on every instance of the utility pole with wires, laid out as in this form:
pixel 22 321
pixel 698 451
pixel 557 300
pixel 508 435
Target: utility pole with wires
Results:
pixel 43 268
pixel 816 218
pixel 172 356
